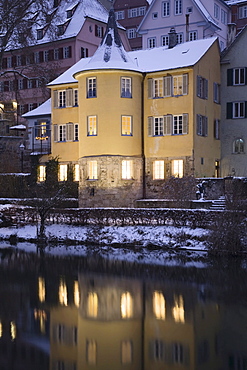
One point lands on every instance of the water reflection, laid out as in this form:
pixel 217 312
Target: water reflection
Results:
pixel 56 314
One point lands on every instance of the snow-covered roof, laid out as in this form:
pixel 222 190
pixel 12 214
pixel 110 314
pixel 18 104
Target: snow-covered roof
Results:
pixel 43 110
pixel 233 2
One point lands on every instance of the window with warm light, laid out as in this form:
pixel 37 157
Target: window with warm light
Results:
pixel 41 289
pixel 159 305
pixel 177 168
pixel 13 330
pixel 62 172
pixel 178 309
pixel 76 294
pixel 76 172
pixel 126 352
pixel 126 305
pixel 126 125
pixel 92 170
pixel 41 173
pixel 159 170
pixel 62 293
pixel 92 304
pixel 127 170
pixel 1 329
pixel 91 126
pixel 91 352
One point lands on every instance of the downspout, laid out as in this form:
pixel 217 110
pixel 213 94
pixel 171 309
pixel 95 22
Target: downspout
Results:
pixel 142 142
pixel 187 26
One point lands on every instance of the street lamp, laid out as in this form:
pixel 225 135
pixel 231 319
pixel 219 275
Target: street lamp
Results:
pixel 22 147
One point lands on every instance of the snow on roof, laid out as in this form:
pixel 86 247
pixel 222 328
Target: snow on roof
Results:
pixel 205 13
pixel 43 110
pixel 233 2
pixel 149 60
pixel 18 127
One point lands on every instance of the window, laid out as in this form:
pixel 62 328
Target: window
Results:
pixel 178 355
pixel 192 35
pixel 126 125
pixel 76 172
pixel 46 56
pixel 137 12
pixel 151 42
pixel 119 15
pixel 166 8
pixel 202 125
pixel 202 87
pixel 158 350
pixel 92 304
pixel 223 16
pixel 91 126
pixel 9 62
pixel 62 172
pixel 92 170
pixel 56 54
pixel 41 173
pixel 75 97
pixel 61 98
pixel 177 168
pixel 238 110
pixel 126 352
pixel 84 52
pixel 180 84
pixel 18 60
pixel 178 309
pixel 76 132
pixel 238 146
pixel 67 52
pixel 217 129
pixel 239 76
pixel 131 33
pixel 180 38
pixel 40 34
pixel 178 7
pixel 157 87
pixel 127 169
pixel 158 170
pixel 158 126
pixel 159 306
pixel 165 40
pixel 216 93
pixel 242 12
pixel 99 31
pixel 155 15
pixel 126 305
pixel 91 87
pixel 91 352
pixel 216 11
pixel 20 84
pixel 61 132
pixel 180 124
pixel 126 87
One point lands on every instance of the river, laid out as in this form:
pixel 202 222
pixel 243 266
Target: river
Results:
pixel 86 312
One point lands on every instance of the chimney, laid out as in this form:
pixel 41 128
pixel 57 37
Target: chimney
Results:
pixel 231 33
pixel 172 38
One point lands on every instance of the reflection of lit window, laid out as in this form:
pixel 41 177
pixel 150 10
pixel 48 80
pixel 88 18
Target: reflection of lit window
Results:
pixel 126 305
pixel 1 330
pixel 92 304
pixel 62 293
pixel 91 351
pixel 159 306
pixel 76 294
pixel 178 309
pixel 12 330
pixel 42 317
pixel 178 353
pixel 41 289
pixel 126 352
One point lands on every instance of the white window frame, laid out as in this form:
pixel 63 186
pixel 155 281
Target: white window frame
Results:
pixel 158 170
pixel 66 52
pixel 178 7
pixel 62 172
pixel 126 126
pixel 238 109
pixel 180 124
pixel 202 87
pixel 180 37
pixel 119 15
pixel 177 168
pixel 127 169
pixel 239 76
pixel 164 40
pixel 76 132
pixel 61 98
pixel 131 33
pixel 92 170
pixel 193 35
pixel 126 87
pixel 165 8
pixel 92 126
pixel 76 172
pixel 242 12
pixel 202 125
pixel 41 173
pixel 238 146
pixel 62 133
pixel 92 87
pixel 158 87
pixel 216 93
pixel 151 42
pixel 180 84
pixel 216 11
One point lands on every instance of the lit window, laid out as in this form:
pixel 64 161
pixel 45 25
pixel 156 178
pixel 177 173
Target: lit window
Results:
pixel 127 169
pixel 76 172
pixel 62 293
pixel 166 8
pixel 41 289
pixel 126 87
pixel 239 76
pixel 91 126
pixel 177 168
pixel 1 329
pixel 126 125
pixel 178 309
pixel 91 87
pixel 62 172
pixel 178 7
pixel 126 352
pixel 91 352
pixel 92 170
pixel 158 170
pixel 76 294
pixel 159 306
pixel 92 304
pixel 12 330
pixel 41 173
pixel 126 305
pixel 238 146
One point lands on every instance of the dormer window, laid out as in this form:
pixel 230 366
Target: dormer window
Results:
pixel 60 29
pixel 40 34
pixel 69 13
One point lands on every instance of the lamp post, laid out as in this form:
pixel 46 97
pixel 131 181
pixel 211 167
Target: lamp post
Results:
pixel 22 147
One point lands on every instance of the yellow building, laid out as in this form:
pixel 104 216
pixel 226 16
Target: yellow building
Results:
pixel 127 121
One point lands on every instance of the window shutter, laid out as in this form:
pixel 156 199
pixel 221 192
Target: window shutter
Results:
pixel 205 89
pixel 185 84
pixel 230 77
pixel 245 109
pixel 168 86
pixel 168 124
pixel 205 126
pixel 198 83
pixel 69 131
pixel 185 123
pixel 69 97
pixel 55 99
pixel 55 133
pixel 150 88
pixel 60 53
pixel 229 110
pixel 150 126
pixel 198 130
pixel 217 129
pixel 41 56
pixel 245 75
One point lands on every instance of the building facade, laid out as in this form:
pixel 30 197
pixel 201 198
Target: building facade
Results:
pixel 238 13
